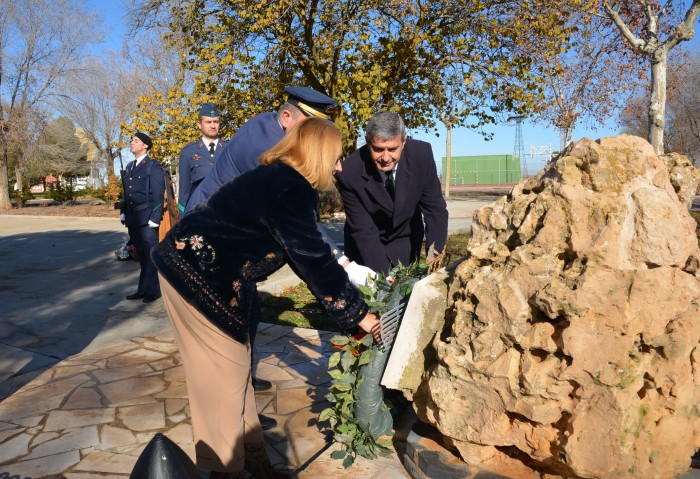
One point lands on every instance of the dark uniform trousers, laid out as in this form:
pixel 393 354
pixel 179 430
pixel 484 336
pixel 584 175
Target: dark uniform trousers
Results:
pixel 145 238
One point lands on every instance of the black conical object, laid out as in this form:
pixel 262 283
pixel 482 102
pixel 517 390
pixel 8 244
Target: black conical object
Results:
pixel 163 459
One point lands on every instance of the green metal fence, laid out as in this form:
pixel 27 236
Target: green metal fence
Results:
pixel 482 170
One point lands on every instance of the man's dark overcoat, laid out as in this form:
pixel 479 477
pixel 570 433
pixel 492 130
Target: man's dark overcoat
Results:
pixel 381 232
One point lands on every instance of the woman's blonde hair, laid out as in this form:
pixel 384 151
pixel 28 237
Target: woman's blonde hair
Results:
pixel 312 147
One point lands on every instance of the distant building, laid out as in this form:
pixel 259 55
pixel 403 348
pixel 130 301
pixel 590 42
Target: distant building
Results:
pixel 482 170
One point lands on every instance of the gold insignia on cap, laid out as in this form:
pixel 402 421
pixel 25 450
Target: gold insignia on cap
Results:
pixel 313 111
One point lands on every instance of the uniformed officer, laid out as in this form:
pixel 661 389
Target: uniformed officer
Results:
pixel 198 157
pixel 142 210
pixel 259 134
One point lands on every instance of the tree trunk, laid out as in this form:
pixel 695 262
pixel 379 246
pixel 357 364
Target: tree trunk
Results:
pixel 5 203
pixel 20 184
pixel 568 133
pixel 449 160
pixel 657 103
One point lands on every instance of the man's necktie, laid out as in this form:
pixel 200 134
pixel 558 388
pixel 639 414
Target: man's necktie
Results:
pixel 389 183
pixel 212 147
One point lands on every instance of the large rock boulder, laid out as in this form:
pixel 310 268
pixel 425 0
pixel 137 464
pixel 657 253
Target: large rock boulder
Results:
pixel 573 348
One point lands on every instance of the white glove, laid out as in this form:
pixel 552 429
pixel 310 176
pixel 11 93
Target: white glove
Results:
pixel 152 224
pixel 122 218
pixel 358 274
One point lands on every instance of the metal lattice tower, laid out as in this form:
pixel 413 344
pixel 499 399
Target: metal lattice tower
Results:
pixel 519 148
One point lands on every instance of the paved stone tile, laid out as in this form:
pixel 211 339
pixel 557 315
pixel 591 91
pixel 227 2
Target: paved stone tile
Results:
pixel 300 353
pixel 272 373
pixel 271 334
pixel 41 437
pixel 44 466
pixel 30 421
pixel 313 372
pixel 263 401
pixel 176 373
pixel 16 447
pixel 104 461
pixel 176 390
pixel 39 400
pixel 180 434
pixel 11 431
pixel 84 397
pixel 143 417
pixel 58 420
pixel 174 405
pixel 119 391
pixel 135 401
pixel 105 376
pixel 65 371
pixel 112 437
pixel 165 347
pixel 139 356
pixel 291 400
pixel 164 363
pixel 6 425
pixel 70 441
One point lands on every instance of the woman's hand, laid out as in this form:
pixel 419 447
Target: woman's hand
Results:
pixel 370 324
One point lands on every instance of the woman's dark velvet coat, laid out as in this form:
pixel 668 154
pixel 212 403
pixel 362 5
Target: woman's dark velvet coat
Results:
pixel 247 230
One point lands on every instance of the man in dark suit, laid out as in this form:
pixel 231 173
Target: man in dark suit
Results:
pixel 392 197
pixel 197 158
pixel 142 211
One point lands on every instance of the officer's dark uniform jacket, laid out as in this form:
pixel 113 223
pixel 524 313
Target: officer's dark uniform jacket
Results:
pixel 256 136
pixel 195 163
pixel 143 199
pixel 215 254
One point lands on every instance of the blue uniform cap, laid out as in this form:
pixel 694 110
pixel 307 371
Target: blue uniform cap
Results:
pixel 310 101
pixel 208 109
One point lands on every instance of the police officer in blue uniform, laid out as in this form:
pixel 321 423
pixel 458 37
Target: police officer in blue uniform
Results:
pixel 142 211
pixel 259 134
pixel 198 157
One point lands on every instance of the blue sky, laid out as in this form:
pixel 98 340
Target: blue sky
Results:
pixel 464 142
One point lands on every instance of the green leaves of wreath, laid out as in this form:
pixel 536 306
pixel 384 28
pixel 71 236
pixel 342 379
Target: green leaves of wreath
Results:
pixel 344 368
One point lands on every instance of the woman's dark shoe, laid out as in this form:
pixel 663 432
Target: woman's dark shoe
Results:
pixel 266 422
pixel 261 384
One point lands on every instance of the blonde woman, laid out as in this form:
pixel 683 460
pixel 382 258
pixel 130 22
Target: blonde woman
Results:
pixel 209 264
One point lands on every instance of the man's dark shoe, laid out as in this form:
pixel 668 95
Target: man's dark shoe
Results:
pixel 136 296
pixel 267 422
pixel 149 298
pixel 261 384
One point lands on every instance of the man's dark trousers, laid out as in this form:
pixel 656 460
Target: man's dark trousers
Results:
pixel 145 238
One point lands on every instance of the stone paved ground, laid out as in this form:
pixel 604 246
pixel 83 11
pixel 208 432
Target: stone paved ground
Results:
pixel 92 414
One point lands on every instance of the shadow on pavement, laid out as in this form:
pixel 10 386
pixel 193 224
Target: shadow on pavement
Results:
pixel 62 292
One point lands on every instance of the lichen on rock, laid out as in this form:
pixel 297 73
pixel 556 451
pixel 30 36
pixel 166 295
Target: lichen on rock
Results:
pixel 573 351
